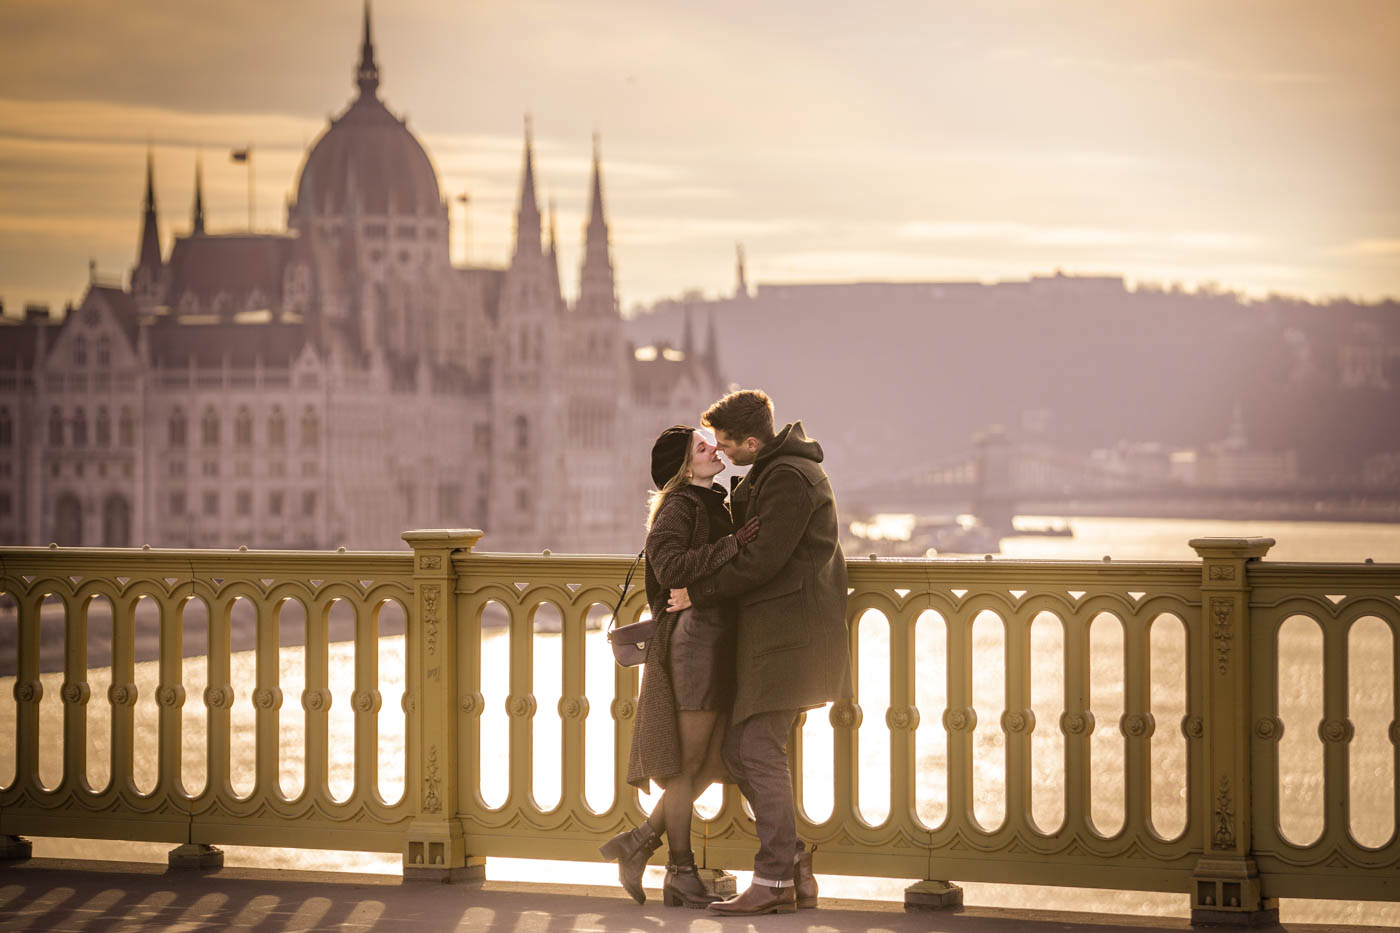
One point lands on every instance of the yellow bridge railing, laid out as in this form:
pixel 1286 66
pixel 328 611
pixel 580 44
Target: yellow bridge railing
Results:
pixel 1228 728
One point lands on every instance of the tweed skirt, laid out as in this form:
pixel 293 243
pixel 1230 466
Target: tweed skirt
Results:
pixel 702 660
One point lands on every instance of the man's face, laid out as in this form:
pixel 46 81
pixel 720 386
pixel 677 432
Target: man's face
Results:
pixel 739 452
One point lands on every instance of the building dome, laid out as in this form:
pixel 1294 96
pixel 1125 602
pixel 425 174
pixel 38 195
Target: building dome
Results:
pixel 367 156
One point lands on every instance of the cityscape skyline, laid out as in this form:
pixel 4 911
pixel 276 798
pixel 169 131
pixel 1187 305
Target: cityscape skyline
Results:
pixel 1249 147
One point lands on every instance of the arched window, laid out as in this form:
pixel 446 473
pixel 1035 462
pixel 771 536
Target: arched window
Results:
pixel 55 427
pixel 79 351
pixel 243 428
pixel 310 428
pixel 79 428
pixel 177 428
pixel 68 522
pixel 7 428
pixel 104 351
pixel 277 428
pixel 209 427
pixel 126 428
pixel 116 522
pixel 104 427
pixel 522 432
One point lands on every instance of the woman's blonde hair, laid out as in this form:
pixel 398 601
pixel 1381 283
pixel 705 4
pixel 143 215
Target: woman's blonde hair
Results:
pixel 657 497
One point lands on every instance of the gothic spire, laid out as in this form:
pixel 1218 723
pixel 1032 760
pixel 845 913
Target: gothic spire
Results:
pixel 741 279
pixel 527 217
pixel 197 220
pixel 553 254
pixel 597 290
pixel 688 337
pixel 367 73
pixel 149 255
pixel 712 349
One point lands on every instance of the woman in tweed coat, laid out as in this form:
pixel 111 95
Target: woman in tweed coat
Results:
pixel 688 680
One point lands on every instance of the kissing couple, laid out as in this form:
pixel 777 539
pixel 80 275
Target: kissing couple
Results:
pixel 749 595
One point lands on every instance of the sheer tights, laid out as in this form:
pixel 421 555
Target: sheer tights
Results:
pixel 700 742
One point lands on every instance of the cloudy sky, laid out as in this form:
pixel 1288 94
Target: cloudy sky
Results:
pixel 1253 144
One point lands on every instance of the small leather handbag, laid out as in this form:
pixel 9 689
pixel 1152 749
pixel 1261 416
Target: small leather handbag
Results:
pixel 630 642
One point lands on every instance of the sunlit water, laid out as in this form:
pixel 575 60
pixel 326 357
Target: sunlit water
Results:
pixel 1373 777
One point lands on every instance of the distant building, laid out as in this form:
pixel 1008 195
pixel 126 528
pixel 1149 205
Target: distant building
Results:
pixel 340 382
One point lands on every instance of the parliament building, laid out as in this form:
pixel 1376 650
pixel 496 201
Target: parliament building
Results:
pixel 342 381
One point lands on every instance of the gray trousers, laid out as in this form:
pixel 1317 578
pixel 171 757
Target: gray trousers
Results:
pixel 755 751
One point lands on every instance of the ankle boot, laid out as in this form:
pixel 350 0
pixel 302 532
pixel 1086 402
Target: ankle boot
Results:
pixel 683 887
pixel 803 881
pixel 632 849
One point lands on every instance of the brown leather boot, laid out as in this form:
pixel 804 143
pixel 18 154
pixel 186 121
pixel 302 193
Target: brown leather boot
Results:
pixel 683 887
pixel 758 899
pixel 804 883
pixel 632 849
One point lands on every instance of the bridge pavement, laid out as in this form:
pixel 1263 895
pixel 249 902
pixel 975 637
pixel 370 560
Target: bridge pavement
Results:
pixel 62 895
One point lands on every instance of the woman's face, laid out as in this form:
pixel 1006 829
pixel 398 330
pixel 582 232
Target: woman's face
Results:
pixel 705 463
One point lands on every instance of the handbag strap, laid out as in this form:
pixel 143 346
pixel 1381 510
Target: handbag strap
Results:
pixel 626 585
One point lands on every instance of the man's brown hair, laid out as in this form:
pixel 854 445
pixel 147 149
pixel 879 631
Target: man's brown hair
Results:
pixel 746 413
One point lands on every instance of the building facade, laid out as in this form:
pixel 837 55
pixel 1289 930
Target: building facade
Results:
pixel 342 381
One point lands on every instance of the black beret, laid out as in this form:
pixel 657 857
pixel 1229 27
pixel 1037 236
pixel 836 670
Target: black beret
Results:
pixel 669 453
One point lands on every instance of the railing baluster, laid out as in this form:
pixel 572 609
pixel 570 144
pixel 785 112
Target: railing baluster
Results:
pixel 469 724
pixel 1394 729
pixel 1016 722
pixel 28 692
pixel 520 706
pixel 365 700
pixel 74 712
pixel 845 742
pixel 1077 724
pixel 624 713
pixel 267 700
pixel 960 720
pixel 170 694
pixel 1135 728
pixel 122 695
pixel 902 719
pixel 218 696
pixel 316 699
pixel 573 705
pixel 1336 730
pixel 1264 672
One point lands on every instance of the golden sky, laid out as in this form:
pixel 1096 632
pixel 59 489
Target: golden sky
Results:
pixel 1252 144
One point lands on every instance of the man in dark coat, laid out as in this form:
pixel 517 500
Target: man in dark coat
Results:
pixel 793 641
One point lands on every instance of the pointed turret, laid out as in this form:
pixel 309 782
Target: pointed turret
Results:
pixel 367 72
pixel 712 350
pixel 527 216
pixel 597 289
pixel 553 254
pixel 688 338
pixel 741 279
pixel 197 218
pixel 149 255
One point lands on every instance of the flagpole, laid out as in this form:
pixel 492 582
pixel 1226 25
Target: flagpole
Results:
pixel 250 187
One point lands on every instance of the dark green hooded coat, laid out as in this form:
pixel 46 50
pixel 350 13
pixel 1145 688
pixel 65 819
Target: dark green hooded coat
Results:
pixel 789 583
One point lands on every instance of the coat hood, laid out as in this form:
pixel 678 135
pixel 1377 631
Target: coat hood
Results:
pixel 791 441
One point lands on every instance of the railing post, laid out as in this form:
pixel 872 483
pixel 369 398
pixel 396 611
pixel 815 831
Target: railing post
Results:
pixel 1225 885
pixel 434 849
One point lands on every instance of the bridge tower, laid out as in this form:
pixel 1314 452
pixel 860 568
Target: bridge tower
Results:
pixel 993 496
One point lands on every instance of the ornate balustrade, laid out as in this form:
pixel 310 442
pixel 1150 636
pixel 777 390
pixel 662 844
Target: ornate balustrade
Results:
pixel 1103 724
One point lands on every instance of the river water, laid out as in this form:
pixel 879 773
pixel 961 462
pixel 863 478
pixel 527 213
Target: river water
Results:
pixel 1093 538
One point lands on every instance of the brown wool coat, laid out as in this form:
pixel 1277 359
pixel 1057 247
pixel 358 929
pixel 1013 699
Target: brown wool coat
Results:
pixel 789 582
pixel 678 550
